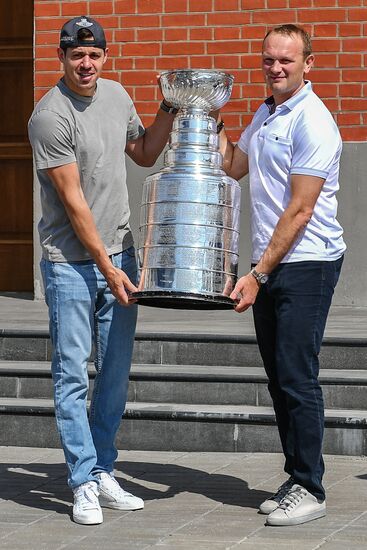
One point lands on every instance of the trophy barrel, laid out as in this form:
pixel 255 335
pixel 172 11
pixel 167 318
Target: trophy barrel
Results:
pixel 189 217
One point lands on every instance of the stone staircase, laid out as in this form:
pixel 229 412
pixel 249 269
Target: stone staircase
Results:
pixel 188 392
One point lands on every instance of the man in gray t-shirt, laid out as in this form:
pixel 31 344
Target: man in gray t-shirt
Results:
pixel 80 131
pixel 68 128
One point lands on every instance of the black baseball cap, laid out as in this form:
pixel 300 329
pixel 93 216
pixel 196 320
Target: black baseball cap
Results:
pixel 70 33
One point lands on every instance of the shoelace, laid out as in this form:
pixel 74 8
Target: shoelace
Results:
pixel 87 493
pixel 292 498
pixel 283 489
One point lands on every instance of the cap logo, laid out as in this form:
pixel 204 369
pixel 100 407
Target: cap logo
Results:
pixel 84 23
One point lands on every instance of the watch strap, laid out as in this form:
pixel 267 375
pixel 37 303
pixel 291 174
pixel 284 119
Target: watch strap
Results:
pixel 220 126
pixel 168 108
pixel 261 278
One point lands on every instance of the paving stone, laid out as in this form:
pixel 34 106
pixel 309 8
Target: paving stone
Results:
pixel 124 543
pixel 253 544
pixel 335 544
pixel 45 539
pixel 7 528
pixel 175 542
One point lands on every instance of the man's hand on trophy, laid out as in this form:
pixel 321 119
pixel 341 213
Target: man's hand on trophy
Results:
pixel 245 292
pixel 121 286
pixel 218 119
pixel 159 82
pixel 228 287
pixel 216 115
pixel 165 105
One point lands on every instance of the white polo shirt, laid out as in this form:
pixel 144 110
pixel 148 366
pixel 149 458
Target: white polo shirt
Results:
pixel 301 137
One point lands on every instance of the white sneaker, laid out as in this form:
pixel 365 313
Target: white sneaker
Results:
pixel 298 506
pixel 111 495
pixel 86 509
pixel 272 503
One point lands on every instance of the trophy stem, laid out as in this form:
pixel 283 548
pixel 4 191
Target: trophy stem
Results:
pixel 192 111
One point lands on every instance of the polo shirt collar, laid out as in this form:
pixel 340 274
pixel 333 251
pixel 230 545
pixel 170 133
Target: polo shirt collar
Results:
pixel 292 101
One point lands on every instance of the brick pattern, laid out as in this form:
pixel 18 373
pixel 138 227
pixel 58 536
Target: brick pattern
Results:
pixel 148 36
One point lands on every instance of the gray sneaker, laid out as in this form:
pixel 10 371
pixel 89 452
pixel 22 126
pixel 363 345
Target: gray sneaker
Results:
pixel 272 503
pixel 298 506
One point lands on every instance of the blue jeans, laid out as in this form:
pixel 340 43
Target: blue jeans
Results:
pixel 83 312
pixel 290 314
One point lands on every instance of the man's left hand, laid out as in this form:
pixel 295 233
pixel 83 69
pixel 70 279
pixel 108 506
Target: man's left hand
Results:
pixel 245 292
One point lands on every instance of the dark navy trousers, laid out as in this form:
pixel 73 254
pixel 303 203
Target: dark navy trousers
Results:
pixel 290 314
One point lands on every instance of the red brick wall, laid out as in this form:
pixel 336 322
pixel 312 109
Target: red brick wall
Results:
pixel 147 36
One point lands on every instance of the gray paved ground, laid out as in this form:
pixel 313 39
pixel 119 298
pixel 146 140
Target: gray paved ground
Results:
pixel 193 501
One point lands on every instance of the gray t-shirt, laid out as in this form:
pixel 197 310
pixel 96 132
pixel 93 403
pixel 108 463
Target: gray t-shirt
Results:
pixel 91 131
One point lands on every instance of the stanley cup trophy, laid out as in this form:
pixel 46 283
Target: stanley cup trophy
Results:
pixel 190 212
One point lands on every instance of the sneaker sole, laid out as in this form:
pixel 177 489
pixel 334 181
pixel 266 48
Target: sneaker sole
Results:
pixel 117 506
pixel 83 521
pixel 283 522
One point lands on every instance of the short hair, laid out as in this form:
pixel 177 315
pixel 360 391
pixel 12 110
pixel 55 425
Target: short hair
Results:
pixel 288 30
pixel 84 36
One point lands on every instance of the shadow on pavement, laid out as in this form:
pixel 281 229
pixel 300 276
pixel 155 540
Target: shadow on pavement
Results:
pixel 43 486
pixel 222 488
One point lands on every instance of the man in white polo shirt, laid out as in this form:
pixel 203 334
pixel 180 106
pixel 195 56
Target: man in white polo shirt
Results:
pixel 292 151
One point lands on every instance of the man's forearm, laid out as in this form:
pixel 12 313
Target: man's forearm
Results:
pixel 146 149
pixel 288 228
pixel 235 162
pixel 85 229
pixel 84 226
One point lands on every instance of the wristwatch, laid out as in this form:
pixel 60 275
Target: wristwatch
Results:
pixel 168 109
pixel 261 278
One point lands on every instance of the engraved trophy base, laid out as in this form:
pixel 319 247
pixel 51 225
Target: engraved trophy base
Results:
pixel 183 300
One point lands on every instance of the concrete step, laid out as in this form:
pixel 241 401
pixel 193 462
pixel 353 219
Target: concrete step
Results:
pixel 188 348
pixel 199 392
pixel 194 384
pixel 183 427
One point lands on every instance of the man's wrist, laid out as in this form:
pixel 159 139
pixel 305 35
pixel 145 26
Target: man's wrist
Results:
pixel 261 278
pixel 167 108
pixel 220 126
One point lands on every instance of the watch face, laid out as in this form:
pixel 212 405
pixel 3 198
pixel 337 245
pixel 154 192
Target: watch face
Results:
pixel 260 277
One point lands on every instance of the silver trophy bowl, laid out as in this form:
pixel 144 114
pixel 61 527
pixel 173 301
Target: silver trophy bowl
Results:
pixel 190 211
pixel 204 88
